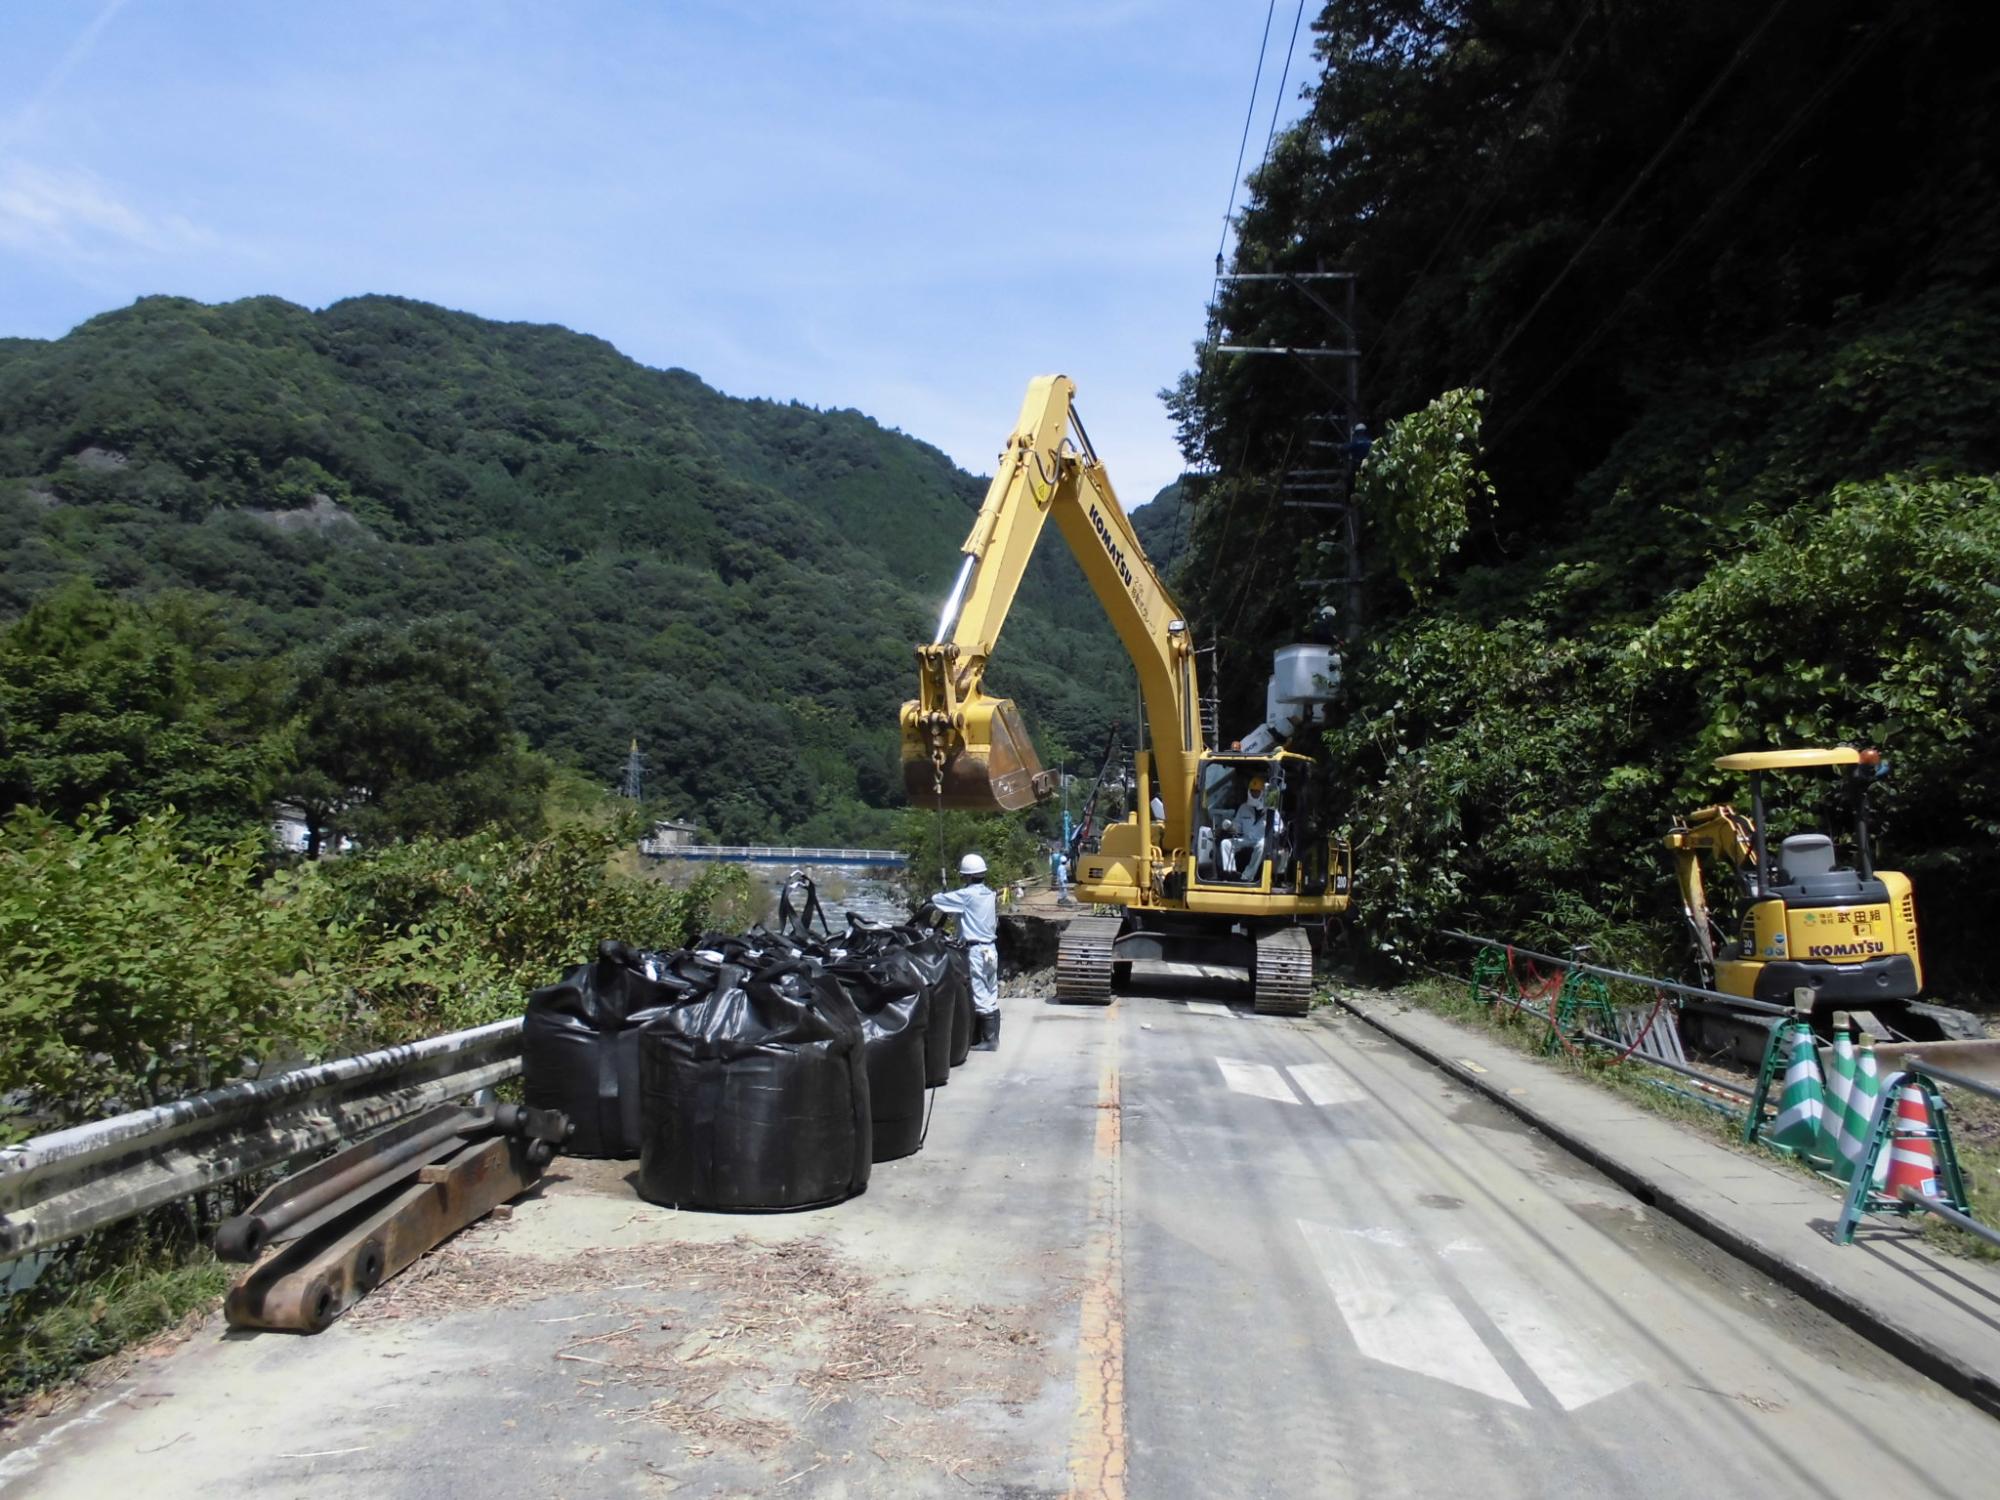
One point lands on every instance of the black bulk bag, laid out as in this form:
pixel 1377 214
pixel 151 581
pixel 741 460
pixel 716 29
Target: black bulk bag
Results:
pixel 895 1014
pixel 949 973
pixel 890 946
pixel 580 1045
pixel 959 967
pixel 755 1096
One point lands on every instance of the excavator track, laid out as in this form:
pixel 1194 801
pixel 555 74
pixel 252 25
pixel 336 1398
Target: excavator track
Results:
pixel 1083 960
pixel 1284 977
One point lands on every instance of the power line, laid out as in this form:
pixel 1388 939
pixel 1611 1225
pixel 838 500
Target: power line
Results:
pixel 1673 139
pixel 1243 145
pixel 1474 212
pixel 1721 201
pixel 1228 216
pixel 1278 103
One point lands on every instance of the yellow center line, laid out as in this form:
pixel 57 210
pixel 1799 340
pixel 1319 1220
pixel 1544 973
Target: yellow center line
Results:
pixel 1097 1436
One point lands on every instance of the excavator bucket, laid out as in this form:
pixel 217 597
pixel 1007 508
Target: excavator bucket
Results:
pixel 992 766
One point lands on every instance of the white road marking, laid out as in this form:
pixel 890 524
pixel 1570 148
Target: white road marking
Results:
pixel 1324 1084
pixel 1571 1365
pixel 1260 1079
pixel 1209 1008
pixel 1399 1312
pixel 25 1460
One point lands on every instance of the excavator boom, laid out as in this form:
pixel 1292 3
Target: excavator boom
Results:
pixel 968 751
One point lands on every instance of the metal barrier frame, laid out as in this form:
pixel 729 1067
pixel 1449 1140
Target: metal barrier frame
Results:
pixel 1881 1136
pixel 68 1182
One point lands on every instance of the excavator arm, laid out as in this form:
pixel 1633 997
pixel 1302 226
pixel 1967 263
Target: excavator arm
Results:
pixel 1720 831
pixel 965 749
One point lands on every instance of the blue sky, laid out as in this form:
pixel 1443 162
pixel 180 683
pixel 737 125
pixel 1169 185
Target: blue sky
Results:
pixel 905 206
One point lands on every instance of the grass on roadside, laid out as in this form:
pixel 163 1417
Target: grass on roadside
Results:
pixel 1975 1122
pixel 81 1313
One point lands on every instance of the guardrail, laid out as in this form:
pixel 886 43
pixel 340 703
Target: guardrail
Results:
pixel 1619 1045
pixel 1667 986
pixel 68 1182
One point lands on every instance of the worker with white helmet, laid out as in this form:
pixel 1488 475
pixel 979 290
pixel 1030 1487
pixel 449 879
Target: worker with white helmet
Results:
pixel 978 916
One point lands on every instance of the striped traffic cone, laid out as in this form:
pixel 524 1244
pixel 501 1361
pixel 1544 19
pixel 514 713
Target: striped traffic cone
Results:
pixel 1912 1158
pixel 1833 1140
pixel 1804 1103
pixel 1862 1095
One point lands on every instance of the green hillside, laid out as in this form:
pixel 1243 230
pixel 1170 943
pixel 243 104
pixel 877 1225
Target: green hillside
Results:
pixel 1729 280
pixel 735 583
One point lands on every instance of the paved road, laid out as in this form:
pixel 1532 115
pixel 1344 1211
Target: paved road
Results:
pixel 1163 1249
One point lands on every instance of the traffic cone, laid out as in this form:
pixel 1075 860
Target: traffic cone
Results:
pixel 1862 1096
pixel 1832 1143
pixel 1912 1158
pixel 1804 1103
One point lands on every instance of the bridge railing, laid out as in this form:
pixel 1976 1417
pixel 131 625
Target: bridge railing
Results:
pixel 773 853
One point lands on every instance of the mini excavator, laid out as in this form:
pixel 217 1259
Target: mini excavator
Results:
pixel 1800 919
pixel 1243 864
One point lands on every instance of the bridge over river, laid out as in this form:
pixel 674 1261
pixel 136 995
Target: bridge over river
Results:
pixel 797 856
pixel 863 881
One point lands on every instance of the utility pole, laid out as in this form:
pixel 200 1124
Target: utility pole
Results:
pixel 1336 484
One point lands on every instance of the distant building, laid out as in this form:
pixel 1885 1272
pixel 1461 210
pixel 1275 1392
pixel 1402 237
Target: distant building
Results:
pixel 288 827
pixel 668 835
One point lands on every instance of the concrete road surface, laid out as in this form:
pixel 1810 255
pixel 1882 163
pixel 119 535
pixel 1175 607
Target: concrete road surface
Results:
pixel 1166 1249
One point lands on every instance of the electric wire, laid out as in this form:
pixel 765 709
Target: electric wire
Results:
pixel 1284 74
pixel 1243 145
pixel 1743 50
pixel 1474 212
pixel 1722 200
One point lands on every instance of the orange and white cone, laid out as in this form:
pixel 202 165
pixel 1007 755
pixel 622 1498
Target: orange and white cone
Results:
pixel 1912 1157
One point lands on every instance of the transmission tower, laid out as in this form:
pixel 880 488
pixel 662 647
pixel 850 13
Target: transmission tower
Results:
pixel 633 786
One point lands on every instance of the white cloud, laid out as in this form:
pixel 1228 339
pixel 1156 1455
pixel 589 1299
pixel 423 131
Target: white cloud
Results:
pixel 77 216
pixel 24 119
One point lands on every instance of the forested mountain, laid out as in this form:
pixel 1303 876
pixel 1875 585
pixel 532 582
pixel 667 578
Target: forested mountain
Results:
pixel 735 583
pixel 1728 278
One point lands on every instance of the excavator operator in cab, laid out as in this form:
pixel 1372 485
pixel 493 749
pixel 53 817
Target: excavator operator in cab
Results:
pixel 1243 849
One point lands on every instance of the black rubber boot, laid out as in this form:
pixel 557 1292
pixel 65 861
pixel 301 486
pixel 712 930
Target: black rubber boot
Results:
pixel 989 1030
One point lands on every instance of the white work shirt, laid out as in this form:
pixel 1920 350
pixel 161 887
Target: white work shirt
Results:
pixel 1250 821
pixel 977 910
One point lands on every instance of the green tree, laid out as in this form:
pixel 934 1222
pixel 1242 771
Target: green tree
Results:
pixel 1419 485
pixel 135 708
pixel 404 731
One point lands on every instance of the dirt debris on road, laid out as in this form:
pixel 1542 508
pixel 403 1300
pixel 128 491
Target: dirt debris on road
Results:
pixel 731 1343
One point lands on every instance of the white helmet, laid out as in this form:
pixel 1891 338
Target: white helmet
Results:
pixel 972 864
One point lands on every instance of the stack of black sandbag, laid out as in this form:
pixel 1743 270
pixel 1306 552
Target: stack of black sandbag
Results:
pixel 580 1043
pixel 754 1070
pixel 755 1096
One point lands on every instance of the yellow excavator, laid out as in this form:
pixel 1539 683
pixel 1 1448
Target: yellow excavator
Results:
pixel 1801 918
pixel 1242 863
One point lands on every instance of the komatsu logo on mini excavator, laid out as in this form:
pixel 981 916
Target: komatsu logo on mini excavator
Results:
pixel 1845 950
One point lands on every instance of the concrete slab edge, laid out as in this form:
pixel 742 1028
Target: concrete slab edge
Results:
pixel 1952 1371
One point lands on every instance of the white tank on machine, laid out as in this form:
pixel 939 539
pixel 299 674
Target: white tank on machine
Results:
pixel 1303 681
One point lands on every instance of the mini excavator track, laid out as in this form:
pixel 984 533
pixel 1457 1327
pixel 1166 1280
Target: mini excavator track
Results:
pixel 1284 976
pixel 1084 958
